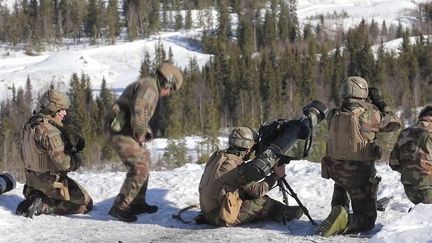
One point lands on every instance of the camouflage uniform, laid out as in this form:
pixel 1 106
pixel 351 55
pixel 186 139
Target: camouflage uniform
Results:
pixel 61 194
pixel 256 204
pixel 412 157
pixel 133 110
pixel 129 130
pixel 358 177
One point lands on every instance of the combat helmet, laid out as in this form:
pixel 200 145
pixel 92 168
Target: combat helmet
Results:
pixel 171 74
pixel 53 100
pixel 354 87
pixel 242 138
pixel 426 111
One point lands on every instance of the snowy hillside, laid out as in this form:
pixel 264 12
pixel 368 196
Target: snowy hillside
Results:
pixel 119 64
pixel 173 190
pixel 391 11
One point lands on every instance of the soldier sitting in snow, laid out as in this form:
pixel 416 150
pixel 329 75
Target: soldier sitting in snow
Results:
pixel 228 205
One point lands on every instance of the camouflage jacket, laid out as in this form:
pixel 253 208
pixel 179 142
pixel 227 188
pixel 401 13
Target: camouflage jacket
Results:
pixel 43 146
pixel 138 103
pixel 212 187
pixel 412 154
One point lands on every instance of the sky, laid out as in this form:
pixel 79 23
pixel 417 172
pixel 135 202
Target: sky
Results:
pixel 174 189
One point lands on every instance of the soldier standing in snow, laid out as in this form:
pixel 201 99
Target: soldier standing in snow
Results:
pixel 227 205
pixel 48 156
pixel 129 130
pixel 412 157
pixel 351 155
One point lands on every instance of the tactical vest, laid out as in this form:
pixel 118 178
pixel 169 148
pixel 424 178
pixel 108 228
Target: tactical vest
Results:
pixel 211 190
pixel 35 159
pixel 345 139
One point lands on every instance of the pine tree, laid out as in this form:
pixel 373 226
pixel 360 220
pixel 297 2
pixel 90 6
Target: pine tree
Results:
pixel 104 103
pixel 269 33
pixel 45 19
pixel 188 21
pixel 92 23
pixel 178 21
pixel 112 21
pixel 146 68
pixel 154 23
pixel 28 96
pixel 361 57
pixel 224 25
pixel 78 17
pixel 246 34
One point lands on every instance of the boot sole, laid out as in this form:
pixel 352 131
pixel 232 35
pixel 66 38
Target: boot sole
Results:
pixel 128 220
pixel 336 222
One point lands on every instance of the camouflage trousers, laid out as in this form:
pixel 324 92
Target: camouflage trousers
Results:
pixel 136 160
pixel 62 195
pixel 263 208
pixel 355 180
pixel 419 194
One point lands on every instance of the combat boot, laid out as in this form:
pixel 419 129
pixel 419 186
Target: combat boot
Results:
pixel 335 223
pixel 35 208
pixel 139 208
pixel 122 215
pixel 32 205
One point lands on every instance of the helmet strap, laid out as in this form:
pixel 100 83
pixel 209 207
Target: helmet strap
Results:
pixel 240 153
pixel 167 83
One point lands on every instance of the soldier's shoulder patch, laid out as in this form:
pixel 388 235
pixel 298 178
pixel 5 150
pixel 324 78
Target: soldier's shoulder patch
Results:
pixel 55 140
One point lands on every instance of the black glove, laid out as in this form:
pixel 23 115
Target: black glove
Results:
pixel 80 144
pixel 77 148
pixel 376 98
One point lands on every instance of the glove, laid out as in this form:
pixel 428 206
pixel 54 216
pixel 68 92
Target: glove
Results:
pixel 279 170
pixel 77 148
pixel 80 144
pixel 376 98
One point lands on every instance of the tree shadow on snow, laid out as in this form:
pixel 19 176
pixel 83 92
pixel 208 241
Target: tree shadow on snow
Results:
pixel 187 43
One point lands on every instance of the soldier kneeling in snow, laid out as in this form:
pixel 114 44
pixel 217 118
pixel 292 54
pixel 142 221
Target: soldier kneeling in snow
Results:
pixel 48 156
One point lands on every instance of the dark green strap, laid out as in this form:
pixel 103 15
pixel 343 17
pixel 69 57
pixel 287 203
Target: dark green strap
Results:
pixel 179 217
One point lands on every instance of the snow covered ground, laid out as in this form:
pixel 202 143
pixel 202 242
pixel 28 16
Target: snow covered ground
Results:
pixel 173 190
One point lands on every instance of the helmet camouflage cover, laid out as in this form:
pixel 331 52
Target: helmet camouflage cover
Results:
pixel 172 75
pixel 354 87
pixel 53 100
pixel 242 137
